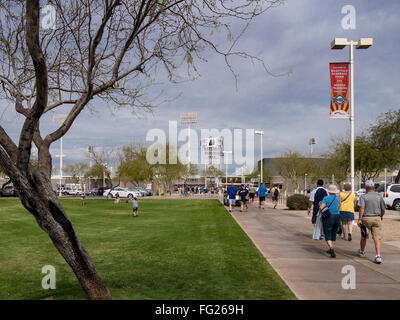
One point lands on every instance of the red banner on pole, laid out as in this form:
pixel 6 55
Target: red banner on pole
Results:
pixel 340 92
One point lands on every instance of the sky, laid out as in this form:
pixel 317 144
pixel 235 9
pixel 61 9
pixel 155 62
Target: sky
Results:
pixel 290 109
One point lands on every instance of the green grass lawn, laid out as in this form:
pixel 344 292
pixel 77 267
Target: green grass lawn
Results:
pixel 175 249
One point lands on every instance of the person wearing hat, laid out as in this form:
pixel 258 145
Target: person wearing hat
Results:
pixel 243 193
pixel 372 210
pixel 331 223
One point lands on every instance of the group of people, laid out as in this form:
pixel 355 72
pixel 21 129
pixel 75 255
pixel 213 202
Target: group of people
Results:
pixel 335 210
pixel 248 193
pixel 187 190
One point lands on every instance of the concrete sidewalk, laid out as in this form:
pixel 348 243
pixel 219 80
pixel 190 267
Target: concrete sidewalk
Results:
pixel 286 242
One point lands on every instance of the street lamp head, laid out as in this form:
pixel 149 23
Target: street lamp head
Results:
pixel 259 132
pixel 59 118
pixel 188 118
pixel 364 43
pixel 339 43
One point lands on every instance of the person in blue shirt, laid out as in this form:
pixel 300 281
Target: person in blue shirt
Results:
pixel 262 192
pixel 232 191
pixel 331 223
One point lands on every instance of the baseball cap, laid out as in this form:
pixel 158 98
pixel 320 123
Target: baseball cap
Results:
pixel 369 183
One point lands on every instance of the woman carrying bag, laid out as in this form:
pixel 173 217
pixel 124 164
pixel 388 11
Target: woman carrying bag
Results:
pixel 330 217
pixel 347 204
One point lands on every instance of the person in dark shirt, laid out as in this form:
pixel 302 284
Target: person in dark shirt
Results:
pixel 243 193
pixel 315 198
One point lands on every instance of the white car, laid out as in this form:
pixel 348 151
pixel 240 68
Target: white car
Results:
pixel 392 195
pixel 122 192
pixel 359 193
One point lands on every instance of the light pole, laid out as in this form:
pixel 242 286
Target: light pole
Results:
pixel 60 118
pixel 311 143
pixel 104 174
pixel 90 149
pixel 188 118
pixel 305 184
pixel 226 163
pixel 340 43
pixel 260 133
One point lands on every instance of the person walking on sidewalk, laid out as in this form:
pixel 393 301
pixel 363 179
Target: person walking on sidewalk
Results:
pixel 275 192
pixel 243 193
pixel 332 220
pixel 315 198
pixel 372 210
pixel 252 193
pixel 232 191
pixel 262 192
pixel 348 202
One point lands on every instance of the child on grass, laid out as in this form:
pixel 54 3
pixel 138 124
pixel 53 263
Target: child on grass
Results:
pixel 135 207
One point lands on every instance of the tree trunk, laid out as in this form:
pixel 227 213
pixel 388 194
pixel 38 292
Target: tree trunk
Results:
pixel 397 180
pixel 38 197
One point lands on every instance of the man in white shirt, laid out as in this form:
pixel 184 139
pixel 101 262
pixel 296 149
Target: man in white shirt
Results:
pixel 315 198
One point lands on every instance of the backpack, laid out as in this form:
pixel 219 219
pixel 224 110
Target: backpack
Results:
pixel 276 192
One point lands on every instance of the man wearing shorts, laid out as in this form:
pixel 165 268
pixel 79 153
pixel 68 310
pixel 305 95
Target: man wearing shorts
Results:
pixel 252 192
pixel 372 210
pixel 275 195
pixel 232 191
pixel 262 191
pixel 243 192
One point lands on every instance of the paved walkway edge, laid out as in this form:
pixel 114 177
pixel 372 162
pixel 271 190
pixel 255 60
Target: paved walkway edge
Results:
pixel 262 253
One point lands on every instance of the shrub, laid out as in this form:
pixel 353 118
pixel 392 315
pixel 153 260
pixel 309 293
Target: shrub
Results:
pixel 297 202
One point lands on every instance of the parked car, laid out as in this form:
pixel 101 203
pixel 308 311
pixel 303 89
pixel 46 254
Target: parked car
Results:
pixel 139 191
pixel 359 193
pixel 100 191
pixel 91 192
pixel 122 192
pixel 75 192
pixel 392 195
pixel 9 191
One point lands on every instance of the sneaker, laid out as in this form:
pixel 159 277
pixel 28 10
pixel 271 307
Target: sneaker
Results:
pixel 378 259
pixel 332 253
pixel 360 253
pixel 349 237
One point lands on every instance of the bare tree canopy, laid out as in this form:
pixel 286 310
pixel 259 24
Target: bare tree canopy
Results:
pixel 111 50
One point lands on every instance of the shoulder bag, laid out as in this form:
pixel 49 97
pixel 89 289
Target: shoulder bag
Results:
pixel 325 212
